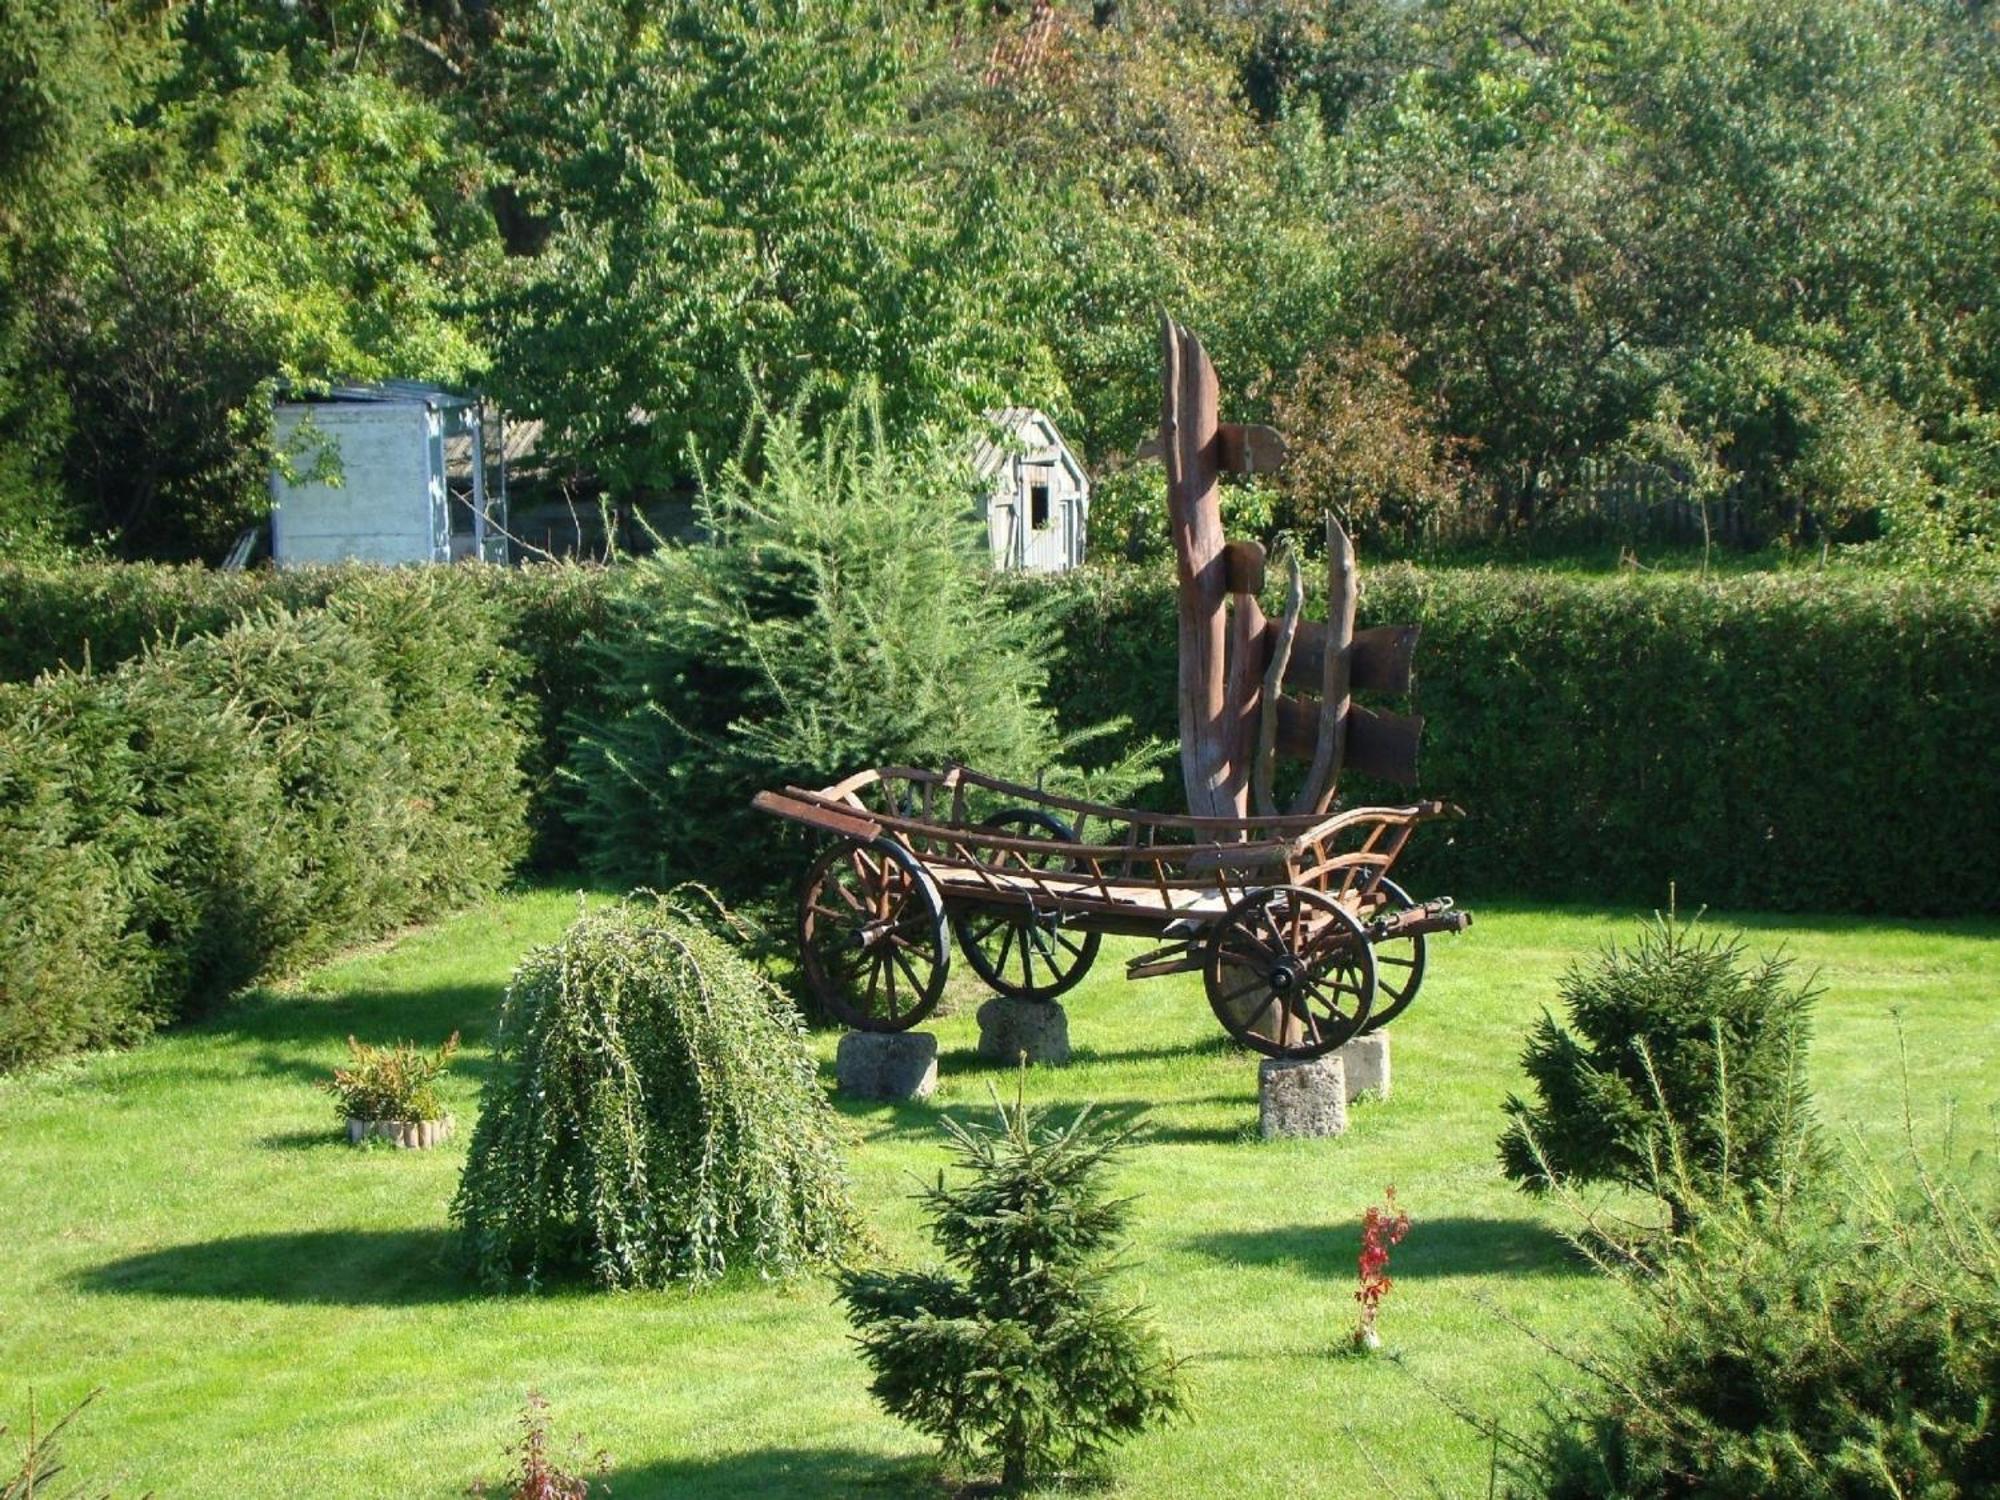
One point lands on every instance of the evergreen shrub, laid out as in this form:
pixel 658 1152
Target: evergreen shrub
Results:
pixel 839 613
pixel 457 706
pixel 1799 741
pixel 1684 1073
pixel 1807 1348
pixel 73 968
pixel 655 1115
pixel 240 803
pixel 1018 1353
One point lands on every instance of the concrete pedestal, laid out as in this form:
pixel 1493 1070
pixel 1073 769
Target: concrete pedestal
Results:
pixel 1366 1059
pixel 1013 1030
pixel 1301 1098
pixel 900 1065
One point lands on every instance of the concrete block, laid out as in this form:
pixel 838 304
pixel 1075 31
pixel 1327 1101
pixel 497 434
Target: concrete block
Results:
pixel 1306 1098
pixel 1012 1029
pixel 899 1065
pixel 1366 1060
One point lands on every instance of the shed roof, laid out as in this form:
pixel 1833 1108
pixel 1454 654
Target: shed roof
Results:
pixel 385 393
pixel 1008 425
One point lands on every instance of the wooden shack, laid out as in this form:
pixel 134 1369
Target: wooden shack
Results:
pixel 1037 498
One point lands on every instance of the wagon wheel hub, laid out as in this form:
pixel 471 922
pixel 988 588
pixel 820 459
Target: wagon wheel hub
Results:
pixel 873 934
pixel 1285 975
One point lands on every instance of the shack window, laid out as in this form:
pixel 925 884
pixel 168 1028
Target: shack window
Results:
pixel 1038 506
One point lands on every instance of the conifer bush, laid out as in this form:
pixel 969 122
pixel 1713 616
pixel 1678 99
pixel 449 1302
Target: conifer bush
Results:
pixel 655 1116
pixel 1019 1353
pixel 1808 1346
pixel 838 613
pixel 73 967
pixel 1682 1073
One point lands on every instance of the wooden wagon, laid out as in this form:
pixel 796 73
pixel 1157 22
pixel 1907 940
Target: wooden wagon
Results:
pixel 1302 939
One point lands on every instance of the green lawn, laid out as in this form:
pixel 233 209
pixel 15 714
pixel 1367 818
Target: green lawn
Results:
pixel 267 1313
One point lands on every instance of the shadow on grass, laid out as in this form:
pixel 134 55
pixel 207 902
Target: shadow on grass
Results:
pixel 777 1472
pixel 1450 1246
pixel 331 1267
pixel 425 1014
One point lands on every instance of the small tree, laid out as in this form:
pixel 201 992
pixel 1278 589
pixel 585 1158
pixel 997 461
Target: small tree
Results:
pixel 656 1115
pixel 1019 1353
pixel 1685 1073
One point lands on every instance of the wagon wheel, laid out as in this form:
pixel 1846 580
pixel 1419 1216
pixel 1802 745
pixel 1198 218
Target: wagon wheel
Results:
pixel 872 935
pixel 1017 953
pixel 1289 972
pixel 1399 961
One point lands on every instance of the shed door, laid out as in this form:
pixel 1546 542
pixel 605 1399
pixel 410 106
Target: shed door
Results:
pixel 1044 518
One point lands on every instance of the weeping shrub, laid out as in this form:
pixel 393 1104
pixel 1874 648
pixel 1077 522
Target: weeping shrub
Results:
pixel 839 613
pixel 655 1116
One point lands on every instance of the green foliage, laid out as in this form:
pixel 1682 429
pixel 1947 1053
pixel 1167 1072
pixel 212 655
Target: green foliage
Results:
pixel 1019 1353
pixel 1684 1074
pixel 732 200
pixel 656 1116
pixel 72 967
pixel 455 699
pixel 1610 735
pixel 243 802
pixel 445 622
pixel 839 614
pixel 397 1082
pixel 1810 1348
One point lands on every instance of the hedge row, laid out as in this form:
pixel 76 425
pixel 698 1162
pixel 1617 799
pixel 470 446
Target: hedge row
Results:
pixel 97 615
pixel 242 802
pixel 1808 741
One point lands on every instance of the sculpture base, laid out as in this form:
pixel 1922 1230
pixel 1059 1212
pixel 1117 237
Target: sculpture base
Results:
pixel 1366 1060
pixel 896 1065
pixel 1301 1099
pixel 1016 1031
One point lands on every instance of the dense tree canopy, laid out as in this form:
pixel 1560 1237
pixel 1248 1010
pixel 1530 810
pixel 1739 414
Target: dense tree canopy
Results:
pixel 1468 249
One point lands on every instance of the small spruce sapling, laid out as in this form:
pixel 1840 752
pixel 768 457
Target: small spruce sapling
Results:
pixel 1019 1352
pixel 1382 1229
pixel 1681 1072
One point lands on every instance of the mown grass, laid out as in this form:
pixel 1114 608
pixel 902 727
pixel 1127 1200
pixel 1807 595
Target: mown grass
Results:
pixel 269 1313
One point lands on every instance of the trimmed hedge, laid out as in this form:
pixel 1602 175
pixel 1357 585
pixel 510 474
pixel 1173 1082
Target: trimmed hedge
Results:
pixel 98 615
pixel 244 802
pixel 1791 741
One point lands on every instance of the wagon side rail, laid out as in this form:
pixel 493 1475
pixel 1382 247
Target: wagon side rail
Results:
pixel 1165 864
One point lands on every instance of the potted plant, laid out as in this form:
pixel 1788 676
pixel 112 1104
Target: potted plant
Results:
pixel 391 1092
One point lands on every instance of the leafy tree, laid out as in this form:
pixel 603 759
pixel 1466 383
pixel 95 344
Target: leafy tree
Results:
pixel 733 199
pixel 1684 1075
pixel 1019 1352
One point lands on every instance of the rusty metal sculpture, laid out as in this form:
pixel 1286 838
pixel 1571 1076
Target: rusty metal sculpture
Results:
pixel 1300 936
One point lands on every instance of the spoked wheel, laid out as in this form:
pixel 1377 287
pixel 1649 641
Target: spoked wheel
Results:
pixel 1018 953
pixel 1399 961
pixel 872 935
pixel 1290 973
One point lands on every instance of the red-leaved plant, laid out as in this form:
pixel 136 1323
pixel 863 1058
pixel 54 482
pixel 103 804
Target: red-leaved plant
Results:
pixel 1382 1228
pixel 538 1473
